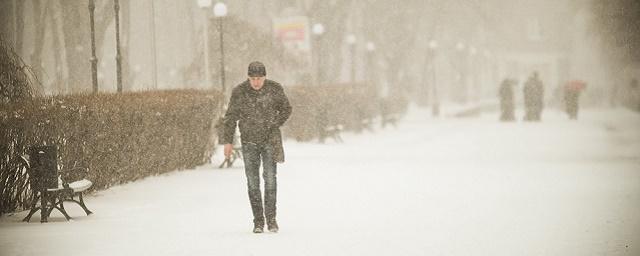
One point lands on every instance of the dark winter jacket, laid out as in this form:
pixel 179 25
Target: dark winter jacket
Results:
pixel 533 94
pixel 506 94
pixel 259 114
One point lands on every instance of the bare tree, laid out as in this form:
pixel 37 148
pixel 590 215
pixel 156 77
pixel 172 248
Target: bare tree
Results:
pixel 619 21
pixel 41 11
pixel 77 39
pixel 7 13
pixel 61 71
pixel 127 76
pixel 333 14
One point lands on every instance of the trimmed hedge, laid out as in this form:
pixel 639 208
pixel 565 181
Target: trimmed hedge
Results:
pixel 128 136
pixel 349 105
pixel 119 137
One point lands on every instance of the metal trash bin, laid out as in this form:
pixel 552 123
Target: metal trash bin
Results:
pixel 44 161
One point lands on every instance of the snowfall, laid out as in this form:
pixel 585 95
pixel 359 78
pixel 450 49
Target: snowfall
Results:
pixel 430 186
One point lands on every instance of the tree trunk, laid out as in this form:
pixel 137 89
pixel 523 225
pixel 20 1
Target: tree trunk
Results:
pixel 77 40
pixel 334 61
pixel 7 29
pixel 40 25
pixel 77 44
pixel 61 72
pixel 127 76
pixel 19 16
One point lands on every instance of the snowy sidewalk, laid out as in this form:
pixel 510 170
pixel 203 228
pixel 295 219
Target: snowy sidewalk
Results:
pixel 470 186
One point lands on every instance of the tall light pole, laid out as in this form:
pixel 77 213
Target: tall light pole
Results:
pixel 487 78
pixel 318 30
pixel 461 72
pixel 371 48
pixel 205 5
pixel 93 59
pixel 351 41
pixel 116 8
pixel 474 89
pixel 435 108
pixel 154 62
pixel 220 11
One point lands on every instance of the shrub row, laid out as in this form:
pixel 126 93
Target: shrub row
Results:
pixel 128 136
pixel 118 137
pixel 352 106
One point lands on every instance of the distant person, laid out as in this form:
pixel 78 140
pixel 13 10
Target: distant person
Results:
pixel 259 107
pixel 533 98
pixel 507 105
pixel 572 91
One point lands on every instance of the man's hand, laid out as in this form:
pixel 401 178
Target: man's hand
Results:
pixel 228 149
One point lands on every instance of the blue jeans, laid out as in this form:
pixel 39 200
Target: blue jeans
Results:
pixel 253 155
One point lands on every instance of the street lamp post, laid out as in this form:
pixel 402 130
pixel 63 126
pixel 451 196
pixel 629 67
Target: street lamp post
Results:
pixel 371 47
pixel 93 59
pixel 461 72
pixel 318 30
pixel 204 5
pixel 435 109
pixel 351 41
pixel 154 61
pixel 486 71
pixel 220 11
pixel 474 88
pixel 116 8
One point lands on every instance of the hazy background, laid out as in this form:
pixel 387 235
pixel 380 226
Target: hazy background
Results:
pixel 428 185
pixel 474 44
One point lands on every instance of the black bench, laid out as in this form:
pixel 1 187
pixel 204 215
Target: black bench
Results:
pixel 51 187
pixel 235 155
pixel 367 124
pixel 391 119
pixel 331 131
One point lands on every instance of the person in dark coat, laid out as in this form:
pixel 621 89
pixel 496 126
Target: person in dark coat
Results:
pixel 507 105
pixel 533 98
pixel 572 91
pixel 259 107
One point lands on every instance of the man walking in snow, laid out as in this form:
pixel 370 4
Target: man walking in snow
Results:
pixel 259 107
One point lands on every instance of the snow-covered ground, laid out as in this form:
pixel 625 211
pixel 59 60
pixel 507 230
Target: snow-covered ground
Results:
pixel 441 186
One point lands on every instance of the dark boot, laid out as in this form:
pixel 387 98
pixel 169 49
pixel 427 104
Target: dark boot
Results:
pixel 258 228
pixel 256 209
pixel 273 225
